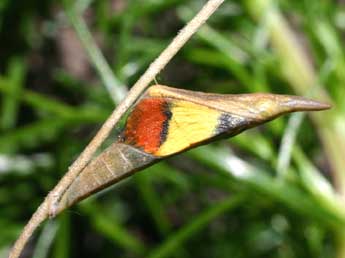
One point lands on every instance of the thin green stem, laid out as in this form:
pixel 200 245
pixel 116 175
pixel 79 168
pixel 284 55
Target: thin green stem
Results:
pixel 81 5
pixel 45 240
pixel 200 222
pixel 257 180
pixel 287 144
pixel 116 89
pixel 112 229
pixel 10 104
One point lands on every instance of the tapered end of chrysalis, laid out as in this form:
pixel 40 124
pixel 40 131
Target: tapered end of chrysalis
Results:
pixel 261 107
pixel 296 103
pixel 270 105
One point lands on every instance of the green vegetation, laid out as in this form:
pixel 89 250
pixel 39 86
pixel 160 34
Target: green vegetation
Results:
pixel 273 191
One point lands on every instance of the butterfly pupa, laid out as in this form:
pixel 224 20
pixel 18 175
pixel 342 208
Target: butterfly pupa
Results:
pixel 167 121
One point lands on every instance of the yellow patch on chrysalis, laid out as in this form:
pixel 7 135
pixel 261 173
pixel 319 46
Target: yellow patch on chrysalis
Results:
pixel 190 124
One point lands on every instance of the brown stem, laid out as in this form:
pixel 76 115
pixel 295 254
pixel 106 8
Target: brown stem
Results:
pixel 37 218
pixel 49 206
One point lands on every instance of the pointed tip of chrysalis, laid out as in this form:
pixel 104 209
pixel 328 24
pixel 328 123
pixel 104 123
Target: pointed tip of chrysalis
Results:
pixel 262 107
pixel 296 103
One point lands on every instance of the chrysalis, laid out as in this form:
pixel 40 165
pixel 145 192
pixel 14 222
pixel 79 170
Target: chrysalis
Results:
pixel 166 121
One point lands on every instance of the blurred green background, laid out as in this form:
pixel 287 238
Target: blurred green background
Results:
pixel 273 191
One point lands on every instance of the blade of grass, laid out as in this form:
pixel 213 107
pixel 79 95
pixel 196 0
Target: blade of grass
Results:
pixel 236 57
pixel 33 134
pixel 30 135
pixel 287 144
pixel 45 240
pixel 288 141
pixel 62 246
pixel 116 89
pixel 144 8
pixel 254 142
pixel 10 104
pixel 258 181
pixel 198 223
pixel 315 182
pixel 81 5
pixel 125 36
pixel 152 202
pixel 54 107
pixel 111 229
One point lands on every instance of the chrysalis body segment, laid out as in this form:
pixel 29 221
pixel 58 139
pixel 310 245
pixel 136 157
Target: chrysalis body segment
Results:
pixel 113 164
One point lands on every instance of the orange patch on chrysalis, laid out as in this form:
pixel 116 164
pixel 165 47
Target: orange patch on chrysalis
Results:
pixel 146 125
